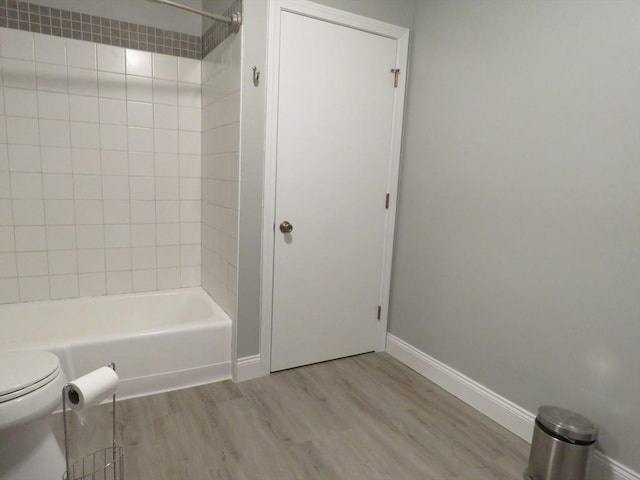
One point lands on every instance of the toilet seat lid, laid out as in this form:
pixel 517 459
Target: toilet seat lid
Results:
pixel 23 372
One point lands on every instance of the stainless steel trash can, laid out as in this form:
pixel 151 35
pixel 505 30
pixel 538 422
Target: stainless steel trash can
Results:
pixel 562 446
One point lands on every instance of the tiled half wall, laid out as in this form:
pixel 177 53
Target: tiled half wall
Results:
pixel 100 169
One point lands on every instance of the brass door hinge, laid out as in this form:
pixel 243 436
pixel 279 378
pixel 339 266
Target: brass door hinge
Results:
pixel 386 201
pixel 379 312
pixel 396 74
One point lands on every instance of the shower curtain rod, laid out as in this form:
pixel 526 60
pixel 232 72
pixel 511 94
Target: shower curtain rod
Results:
pixel 235 20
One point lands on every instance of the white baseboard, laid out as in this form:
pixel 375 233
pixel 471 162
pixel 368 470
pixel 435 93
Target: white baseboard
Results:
pixel 248 368
pixel 502 411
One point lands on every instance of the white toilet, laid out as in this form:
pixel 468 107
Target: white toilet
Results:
pixel 30 389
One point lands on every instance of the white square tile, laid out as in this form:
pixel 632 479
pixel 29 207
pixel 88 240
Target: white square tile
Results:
pixel 57 185
pixel 20 102
pixel 168 278
pixel 50 49
pixel 167 165
pixel 88 187
pixel 9 291
pixel 144 280
pixel 113 111
pixel 118 259
pixel 165 116
pixel 63 261
pixel 5 185
pixel 16 44
pixel 61 237
pixel 189 70
pixel 189 188
pixel 8 240
pixel 83 81
pixel 143 257
pixel 56 160
pixel 8 266
pixel 85 135
pixel 84 109
pixel 190 233
pixel 140 114
pixel 117 211
pixel 52 78
pixel 31 264
pixel 165 67
pixel 24 158
pixel 166 141
pixel 168 256
pixel 114 162
pixel 138 63
pixel 112 85
pixel 167 188
pixel 141 164
pixel 21 74
pixel 91 260
pixel 143 235
pixel 140 139
pixel 59 212
pixel 139 89
pixel 110 58
pixel 23 131
pixel 189 255
pixel 54 133
pixel 190 210
pixel 190 166
pixel 189 95
pixel 167 211
pixel 85 161
pixel 165 92
pixel 64 286
pixel 28 212
pixel 168 234
pixel 88 212
pixel 117 236
pixel 26 185
pixel 30 239
pixel 143 211
pixel 118 282
pixel 33 289
pixel 92 284
pixel 190 119
pixel 115 187
pixel 6 212
pixel 90 236
pixel 190 276
pixel 53 106
pixel 142 188
pixel 113 137
pixel 81 54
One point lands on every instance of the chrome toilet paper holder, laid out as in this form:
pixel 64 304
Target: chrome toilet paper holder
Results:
pixel 101 464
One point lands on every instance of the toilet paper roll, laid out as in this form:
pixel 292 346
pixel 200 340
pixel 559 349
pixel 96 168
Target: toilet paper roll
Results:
pixel 92 388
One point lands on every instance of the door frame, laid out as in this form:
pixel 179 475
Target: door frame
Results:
pixel 321 12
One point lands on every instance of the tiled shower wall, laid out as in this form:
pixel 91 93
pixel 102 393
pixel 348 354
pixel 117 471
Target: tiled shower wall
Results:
pixel 220 173
pixel 99 169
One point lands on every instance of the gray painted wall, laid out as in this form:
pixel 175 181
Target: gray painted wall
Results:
pixel 517 258
pixel 137 11
pixel 254 44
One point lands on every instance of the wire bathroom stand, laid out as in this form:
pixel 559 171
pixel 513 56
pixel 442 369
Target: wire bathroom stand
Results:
pixel 104 464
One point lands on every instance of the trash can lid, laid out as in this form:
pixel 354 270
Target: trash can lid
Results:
pixel 567 423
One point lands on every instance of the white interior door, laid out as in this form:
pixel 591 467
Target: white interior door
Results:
pixel 334 149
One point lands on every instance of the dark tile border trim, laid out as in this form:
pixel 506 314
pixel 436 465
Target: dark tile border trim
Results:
pixel 32 17
pixel 218 32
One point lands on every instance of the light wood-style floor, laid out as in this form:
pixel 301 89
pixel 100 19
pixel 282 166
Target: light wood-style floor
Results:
pixel 360 418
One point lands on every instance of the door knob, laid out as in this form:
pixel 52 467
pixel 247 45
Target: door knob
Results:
pixel 286 227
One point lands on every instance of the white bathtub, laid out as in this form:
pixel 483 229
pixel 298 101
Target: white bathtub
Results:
pixel 159 341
